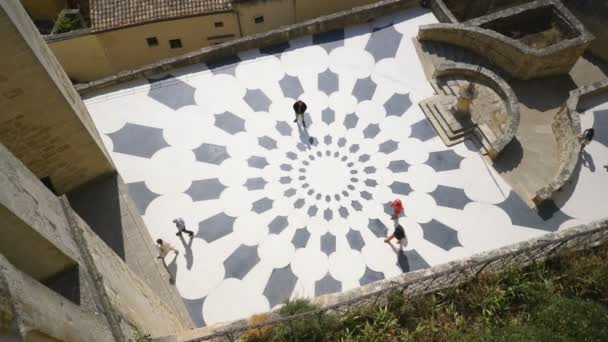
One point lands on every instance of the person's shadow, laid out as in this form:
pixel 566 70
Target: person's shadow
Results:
pixel 171 269
pixel 402 260
pixel 187 250
pixel 305 137
pixel 587 160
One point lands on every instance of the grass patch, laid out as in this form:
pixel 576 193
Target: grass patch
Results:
pixel 563 299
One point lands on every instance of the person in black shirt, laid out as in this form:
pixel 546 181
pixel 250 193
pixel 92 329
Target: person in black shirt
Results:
pixel 300 108
pixel 181 227
pixel 398 234
pixel 586 137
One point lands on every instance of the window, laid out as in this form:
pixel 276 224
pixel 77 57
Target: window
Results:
pixel 152 41
pixel 175 43
pixel 259 20
pixel 218 24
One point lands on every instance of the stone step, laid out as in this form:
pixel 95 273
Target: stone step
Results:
pixel 453 130
pixel 447 140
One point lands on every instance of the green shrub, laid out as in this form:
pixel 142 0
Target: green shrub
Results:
pixel 67 24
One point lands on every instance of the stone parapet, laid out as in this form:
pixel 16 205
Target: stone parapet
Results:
pixel 501 87
pixel 566 127
pixel 518 59
pixel 334 21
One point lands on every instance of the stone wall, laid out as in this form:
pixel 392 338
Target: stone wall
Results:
pixel 502 88
pixel 342 19
pixel 566 127
pixel 513 56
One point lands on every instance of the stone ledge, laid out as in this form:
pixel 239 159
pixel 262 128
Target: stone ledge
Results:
pixel 330 22
pixel 500 86
pixel 567 126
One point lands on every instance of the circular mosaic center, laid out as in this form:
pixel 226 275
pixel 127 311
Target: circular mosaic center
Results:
pixel 328 175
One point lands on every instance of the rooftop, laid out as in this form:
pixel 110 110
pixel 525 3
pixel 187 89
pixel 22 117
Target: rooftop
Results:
pixel 113 14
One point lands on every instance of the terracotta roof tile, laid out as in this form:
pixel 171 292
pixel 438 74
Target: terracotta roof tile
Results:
pixel 113 14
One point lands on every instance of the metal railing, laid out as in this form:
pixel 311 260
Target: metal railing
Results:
pixel 444 276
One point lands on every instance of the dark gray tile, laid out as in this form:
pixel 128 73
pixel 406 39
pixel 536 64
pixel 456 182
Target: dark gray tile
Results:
pixel 547 216
pixel 257 183
pixel 211 154
pixel 291 155
pixel 329 40
pixel 224 65
pixel 336 154
pixel 378 228
pixel 369 170
pixel 172 92
pixel 364 158
pixel 328 116
pixel 300 238
pixel 277 225
pixel 289 192
pixel 355 240
pixel 422 130
pixel 371 131
pixel 257 100
pixel 205 189
pixel 262 205
pixel 275 49
pixel 291 87
pixel 337 197
pixel 343 212
pixel 327 285
pixel 195 309
pixel 354 180
pixel 229 123
pixel 286 167
pixel 600 124
pixel 327 139
pixel 410 261
pixel 447 196
pixel 298 204
pixel 257 162
pixel 141 195
pixel 354 148
pixel 370 276
pixel 312 210
pixel 384 43
pixel 241 261
pixel 444 160
pixel 138 140
pixel 328 214
pixel 401 188
pixel 328 243
pixel 356 205
pixel 366 195
pixel 372 183
pixel 342 142
pixel 388 147
pixel 354 172
pixel 280 285
pixel 398 104
pixel 328 82
pixel 285 180
pixel 364 89
pixel 327 198
pixel 440 235
pixel 215 227
pixel 283 128
pixel 398 166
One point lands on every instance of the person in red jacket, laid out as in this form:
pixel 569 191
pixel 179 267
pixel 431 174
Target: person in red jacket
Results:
pixel 397 209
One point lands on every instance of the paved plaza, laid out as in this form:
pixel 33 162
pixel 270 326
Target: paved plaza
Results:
pixel 276 216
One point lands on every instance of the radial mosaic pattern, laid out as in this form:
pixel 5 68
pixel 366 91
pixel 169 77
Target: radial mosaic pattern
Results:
pixel 284 211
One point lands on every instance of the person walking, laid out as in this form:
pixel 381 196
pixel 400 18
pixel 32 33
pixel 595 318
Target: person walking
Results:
pixel 299 107
pixel 586 137
pixel 164 248
pixel 398 234
pixel 397 209
pixel 181 227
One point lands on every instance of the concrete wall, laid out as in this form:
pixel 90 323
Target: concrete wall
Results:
pixel 82 57
pixel 44 122
pixel 44 9
pixel 276 13
pixel 594 15
pixel 310 9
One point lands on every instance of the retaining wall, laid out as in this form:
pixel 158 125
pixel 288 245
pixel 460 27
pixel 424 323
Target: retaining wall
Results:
pixel 566 127
pixel 501 87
